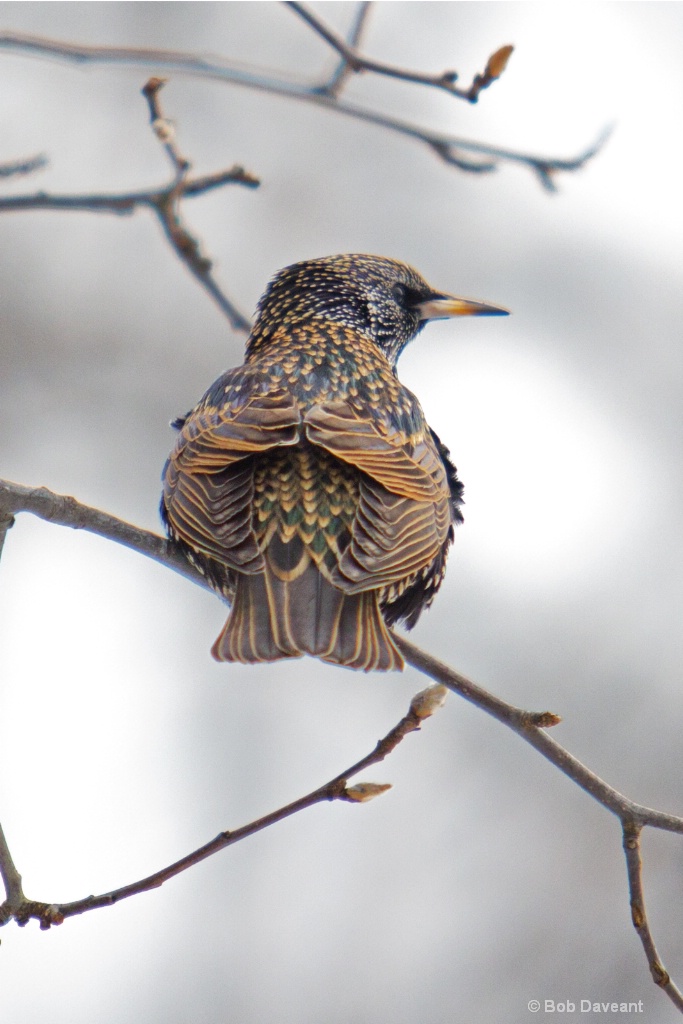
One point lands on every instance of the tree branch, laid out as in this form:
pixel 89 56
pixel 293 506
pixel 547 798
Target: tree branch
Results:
pixel 6 523
pixel 530 726
pixel 17 907
pixel 354 61
pixel 124 203
pixel 66 511
pixel 631 841
pixel 186 246
pixel 11 879
pixel 448 147
pixel 13 168
pixel 164 202
pixel 343 71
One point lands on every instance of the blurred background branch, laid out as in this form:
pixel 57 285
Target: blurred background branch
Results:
pixel 353 61
pixel 164 202
pixel 14 168
pixel 453 150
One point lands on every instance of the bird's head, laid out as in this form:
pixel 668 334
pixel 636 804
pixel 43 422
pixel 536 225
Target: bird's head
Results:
pixel 381 298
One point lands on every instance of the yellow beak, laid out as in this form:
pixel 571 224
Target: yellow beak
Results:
pixel 441 307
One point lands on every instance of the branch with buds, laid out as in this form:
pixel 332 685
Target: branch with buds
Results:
pixel 465 154
pixel 531 726
pixel 21 909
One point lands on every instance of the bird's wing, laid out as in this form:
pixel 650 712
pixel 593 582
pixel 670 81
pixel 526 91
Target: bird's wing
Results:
pixel 406 465
pixel 216 435
pixel 208 485
pixel 404 515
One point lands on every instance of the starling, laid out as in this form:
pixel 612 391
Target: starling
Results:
pixel 306 485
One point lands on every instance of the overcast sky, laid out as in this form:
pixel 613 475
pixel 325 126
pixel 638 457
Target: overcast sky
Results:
pixel 483 879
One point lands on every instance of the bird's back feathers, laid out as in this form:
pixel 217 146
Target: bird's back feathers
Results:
pixel 310 490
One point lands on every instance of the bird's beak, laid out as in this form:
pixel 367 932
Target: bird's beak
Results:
pixel 441 307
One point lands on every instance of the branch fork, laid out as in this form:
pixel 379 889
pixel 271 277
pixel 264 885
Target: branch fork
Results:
pixel 531 726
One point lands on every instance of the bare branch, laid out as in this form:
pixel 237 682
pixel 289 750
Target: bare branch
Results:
pixel 6 523
pixel 633 816
pixel 529 725
pixel 547 169
pixel 124 203
pixel 163 129
pixel 343 71
pixel 356 62
pixel 16 167
pixel 631 836
pixel 11 879
pixel 446 146
pixel 22 910
pixel 167 208
pixel 65 511
pixel 164 202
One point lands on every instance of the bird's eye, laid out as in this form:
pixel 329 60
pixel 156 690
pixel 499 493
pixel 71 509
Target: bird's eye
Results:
pixel 399 293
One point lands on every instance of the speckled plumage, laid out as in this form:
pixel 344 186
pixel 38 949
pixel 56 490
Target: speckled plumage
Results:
pixel 306 484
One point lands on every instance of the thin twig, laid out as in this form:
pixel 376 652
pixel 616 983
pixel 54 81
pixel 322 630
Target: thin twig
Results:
pixel 343 72
pixel 167 209
pixel 66 511
pixel 356 62
pixel 124 203
pixel 14 168
pixel 447 147
pixel 163 129
pixel 164 202
pixel 6 523
pixel 22 910
pixel 11 879
pixel 633 816
pixel 530 726
pixel 634 865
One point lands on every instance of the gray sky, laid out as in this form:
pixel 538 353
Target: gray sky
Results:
pixel 483 879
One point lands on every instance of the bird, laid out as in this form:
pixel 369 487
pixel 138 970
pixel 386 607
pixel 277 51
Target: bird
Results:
pixel 306 485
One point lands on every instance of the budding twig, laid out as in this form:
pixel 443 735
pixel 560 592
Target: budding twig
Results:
pixel 530 726
pixel 22 910
pixel 449 148
pixel 353 61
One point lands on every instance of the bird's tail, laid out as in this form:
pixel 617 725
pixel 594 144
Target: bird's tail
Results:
pixel 272 618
